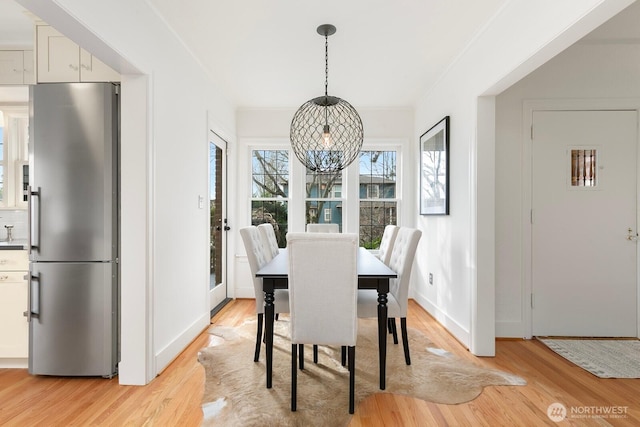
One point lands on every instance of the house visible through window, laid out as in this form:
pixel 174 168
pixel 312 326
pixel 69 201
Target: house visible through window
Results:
pixel 270 191
pixel 323 195
pixel 378 203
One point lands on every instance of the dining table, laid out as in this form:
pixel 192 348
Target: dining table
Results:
pixel 372 274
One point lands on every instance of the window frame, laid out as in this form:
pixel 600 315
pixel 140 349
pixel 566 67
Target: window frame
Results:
pixel 279 199
pixel 397 200
pixel 15 155
pixel 350 199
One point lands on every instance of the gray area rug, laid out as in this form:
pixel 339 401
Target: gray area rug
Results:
pixel 235 392
pixel 603 358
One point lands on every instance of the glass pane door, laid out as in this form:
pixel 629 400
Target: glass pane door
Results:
pixel 217 228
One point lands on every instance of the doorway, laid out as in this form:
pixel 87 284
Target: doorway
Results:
pixel 583 223
pixel 217 222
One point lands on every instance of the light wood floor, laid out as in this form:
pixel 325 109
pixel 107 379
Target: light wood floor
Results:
pixel 173 398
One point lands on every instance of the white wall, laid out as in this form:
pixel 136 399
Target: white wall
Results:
pixel 164 262
pixel 597 72
pixel 459 249
pixel 269 129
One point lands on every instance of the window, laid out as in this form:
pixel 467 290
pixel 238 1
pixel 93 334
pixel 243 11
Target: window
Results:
pixel 270 191
pixel 583 168
pixel 373 191
pixel 14 137
pixel 378 203
pixel 323 195
pixel 336 191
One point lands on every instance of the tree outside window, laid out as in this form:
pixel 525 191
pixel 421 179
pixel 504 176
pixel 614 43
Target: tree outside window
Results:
pixel 377 189
pixel 270 191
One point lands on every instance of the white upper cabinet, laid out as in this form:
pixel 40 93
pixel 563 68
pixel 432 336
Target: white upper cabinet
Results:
pixel 16 67
pixel 61 60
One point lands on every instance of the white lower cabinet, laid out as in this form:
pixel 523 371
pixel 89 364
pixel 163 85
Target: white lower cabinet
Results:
pixel 14 328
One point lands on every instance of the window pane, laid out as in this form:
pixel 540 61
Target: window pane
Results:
pixel 1 157
pixel 374 217
pixel 321 185
pixel 377 182
pixel 270 173
pixel 270 180
pixel 274 213
pixel 324 212
pixel 377 174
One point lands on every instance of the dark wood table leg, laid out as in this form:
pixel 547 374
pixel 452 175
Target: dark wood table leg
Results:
pixel 268 330
pixel 382 336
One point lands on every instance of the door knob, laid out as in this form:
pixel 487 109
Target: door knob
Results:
pixel 631 236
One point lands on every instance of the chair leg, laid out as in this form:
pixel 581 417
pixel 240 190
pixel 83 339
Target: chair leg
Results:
pixel 315 353
pixel 405 340
pixel 301 356
pixel 394 331
pixel 294 376
pixel 352 378
pixel 277 314
pixel 389 325
pixel 258 337
pixel 344 355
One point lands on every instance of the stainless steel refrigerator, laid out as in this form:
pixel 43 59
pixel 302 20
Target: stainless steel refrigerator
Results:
pixel 73 229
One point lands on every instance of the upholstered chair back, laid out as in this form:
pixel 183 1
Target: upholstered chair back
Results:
pixel 386 244
pixel 323 283
pixel 323 228
pixel 258 257
pixel 269 240
pixel 401 261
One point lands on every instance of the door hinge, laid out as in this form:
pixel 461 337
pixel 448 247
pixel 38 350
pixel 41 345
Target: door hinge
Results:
pixel 531 216
pixel 531 297
pixel 532 132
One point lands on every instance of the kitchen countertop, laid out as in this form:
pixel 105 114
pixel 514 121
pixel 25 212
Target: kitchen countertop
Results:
pixel 14 245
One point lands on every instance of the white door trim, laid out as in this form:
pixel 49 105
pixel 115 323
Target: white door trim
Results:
pixel 219 293
pixel 529 106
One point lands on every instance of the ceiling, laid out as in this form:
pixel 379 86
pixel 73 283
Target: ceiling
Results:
pixel 268 54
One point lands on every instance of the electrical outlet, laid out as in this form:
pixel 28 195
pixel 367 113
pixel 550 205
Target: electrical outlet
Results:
pixel 431 278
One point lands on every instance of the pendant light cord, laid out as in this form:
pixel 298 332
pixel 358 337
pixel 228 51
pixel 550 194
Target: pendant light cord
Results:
pixel 326 80
pixel 326 64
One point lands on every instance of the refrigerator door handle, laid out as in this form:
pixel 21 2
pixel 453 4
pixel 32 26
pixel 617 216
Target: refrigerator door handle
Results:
pixel 30 313
pixel 32 219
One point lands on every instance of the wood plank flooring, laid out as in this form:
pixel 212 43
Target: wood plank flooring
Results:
pixel 173 398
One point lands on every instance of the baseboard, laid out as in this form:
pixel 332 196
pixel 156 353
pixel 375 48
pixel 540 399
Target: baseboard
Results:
pixel 244 293
pixel 454 328
pixel 510 330
pixel 14 363
pixel 165 356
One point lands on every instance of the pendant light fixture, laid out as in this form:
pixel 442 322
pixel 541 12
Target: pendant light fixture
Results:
pixel 326 132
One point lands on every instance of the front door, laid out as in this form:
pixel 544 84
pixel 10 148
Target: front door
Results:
pixel 218 225
pixel 584 250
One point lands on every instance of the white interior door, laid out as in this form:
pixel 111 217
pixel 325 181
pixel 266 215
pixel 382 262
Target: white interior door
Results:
pixel 584 249
pixel 218 221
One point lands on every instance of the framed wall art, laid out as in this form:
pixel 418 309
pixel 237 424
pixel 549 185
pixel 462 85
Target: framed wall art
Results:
pixel 434 169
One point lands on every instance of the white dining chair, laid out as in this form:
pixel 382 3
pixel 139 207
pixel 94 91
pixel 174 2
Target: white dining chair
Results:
pixel 257 255
pixel 400 261
pixel 323 284
pixel 269 240
pixel 386 244
pixel 323 228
